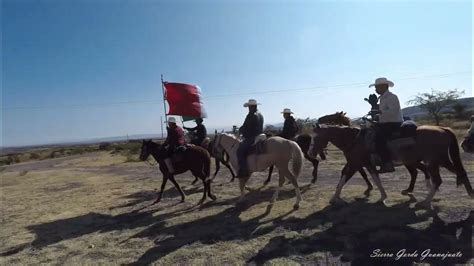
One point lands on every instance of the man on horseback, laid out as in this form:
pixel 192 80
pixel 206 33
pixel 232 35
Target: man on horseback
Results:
pixel 174 140
pixel 390 119
pixel 201 132
pixel 252 127
pixel 290 128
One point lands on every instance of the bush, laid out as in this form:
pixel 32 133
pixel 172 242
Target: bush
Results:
pixel 35 156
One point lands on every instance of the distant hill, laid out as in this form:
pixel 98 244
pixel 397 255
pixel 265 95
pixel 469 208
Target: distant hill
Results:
pixel 415 112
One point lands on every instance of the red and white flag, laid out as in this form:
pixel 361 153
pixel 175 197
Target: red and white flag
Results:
pixel 184 100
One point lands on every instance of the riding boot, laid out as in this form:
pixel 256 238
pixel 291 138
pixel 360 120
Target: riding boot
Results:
pixel 169 165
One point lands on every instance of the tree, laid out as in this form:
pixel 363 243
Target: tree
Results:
pixel 435 101
pixel 459 110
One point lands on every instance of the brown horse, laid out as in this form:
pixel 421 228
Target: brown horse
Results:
pixel 340 119
pixel 436 146
pixel 195 158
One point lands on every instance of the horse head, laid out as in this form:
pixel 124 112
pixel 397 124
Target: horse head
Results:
pixel 148 147
pixel 338 118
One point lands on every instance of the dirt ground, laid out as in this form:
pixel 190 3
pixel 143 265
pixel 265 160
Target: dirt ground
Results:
pixel 85 209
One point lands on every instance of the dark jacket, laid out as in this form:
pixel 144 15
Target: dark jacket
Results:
pixel 253 125
pixel 201 132
pixel 289 128
pixel 175 137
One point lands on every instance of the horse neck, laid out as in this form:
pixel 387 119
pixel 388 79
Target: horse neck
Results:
pixel 342 138
pixel 155 150
pixel 229 143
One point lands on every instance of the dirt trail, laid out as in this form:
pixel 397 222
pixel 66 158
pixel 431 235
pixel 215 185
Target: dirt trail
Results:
pixel 82 209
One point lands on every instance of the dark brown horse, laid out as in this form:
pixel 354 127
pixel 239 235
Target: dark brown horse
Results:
pixel 219 158
pixel 194 158
pixel 340 119
pixel 436 146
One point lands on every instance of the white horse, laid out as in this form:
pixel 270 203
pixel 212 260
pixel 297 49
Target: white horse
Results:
pixel 277 151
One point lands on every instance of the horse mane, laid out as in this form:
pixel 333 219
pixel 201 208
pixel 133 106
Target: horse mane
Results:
pixel 338 118
pixel 230 135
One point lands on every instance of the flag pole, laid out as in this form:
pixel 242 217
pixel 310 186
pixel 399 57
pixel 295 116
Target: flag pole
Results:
pixel 164 104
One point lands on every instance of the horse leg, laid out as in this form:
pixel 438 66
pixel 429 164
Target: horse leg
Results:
pixel 293 180
pixel 205 189
pixel 195 180
pixel 378 183
pixel 433 169
pixel 270 171
pixel 425 171
pixel 413 173
pixel 367 181
pixel 163 184
pixel 281 180
pixel 176 185
pixel 315 169
pixel 347 173
pixel 209 193
pixel 230 169
pixel 242 182
pixel 218 166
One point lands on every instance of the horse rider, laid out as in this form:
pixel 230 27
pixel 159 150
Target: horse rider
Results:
pixel 201 132
pixel 174 139
pixel 390 119
pixel 290 128
pixel 252 127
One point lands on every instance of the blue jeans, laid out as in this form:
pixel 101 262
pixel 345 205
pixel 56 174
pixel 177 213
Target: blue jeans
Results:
pixel 242 153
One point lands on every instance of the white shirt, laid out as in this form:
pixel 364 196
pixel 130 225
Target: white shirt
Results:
pixel 390 110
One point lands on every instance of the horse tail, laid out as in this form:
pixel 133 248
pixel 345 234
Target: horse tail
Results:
pixel 454 154
pixel 297 156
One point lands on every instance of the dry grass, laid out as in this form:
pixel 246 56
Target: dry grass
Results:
pixel 83 210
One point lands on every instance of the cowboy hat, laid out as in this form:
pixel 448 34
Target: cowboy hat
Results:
pixel 381 81
pixel 287 111
pixel 172 120
pixel 251 102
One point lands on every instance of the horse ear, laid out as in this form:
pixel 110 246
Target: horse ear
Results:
pixel 345 113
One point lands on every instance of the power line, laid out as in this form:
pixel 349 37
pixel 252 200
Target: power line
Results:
pixel 346 85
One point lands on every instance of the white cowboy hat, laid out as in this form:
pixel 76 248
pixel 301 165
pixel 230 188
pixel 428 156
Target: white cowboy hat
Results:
pixel 287 111
pixel 381 81
pixel 172 120
pixel 251 102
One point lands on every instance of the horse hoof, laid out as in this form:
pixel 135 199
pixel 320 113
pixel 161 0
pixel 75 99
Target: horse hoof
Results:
pixel 213 197
pixel 406 192
pixel 296 207
pixel 335 200
pixel 265 183
pixel 182 201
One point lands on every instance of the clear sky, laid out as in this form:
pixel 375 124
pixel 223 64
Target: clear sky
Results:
pixel 75 70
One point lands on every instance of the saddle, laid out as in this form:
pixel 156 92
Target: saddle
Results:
pixel 178 153
pixel 258 145
pixel 400 142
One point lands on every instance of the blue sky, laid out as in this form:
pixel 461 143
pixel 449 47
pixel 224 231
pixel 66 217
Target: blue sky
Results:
pixel 67 65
